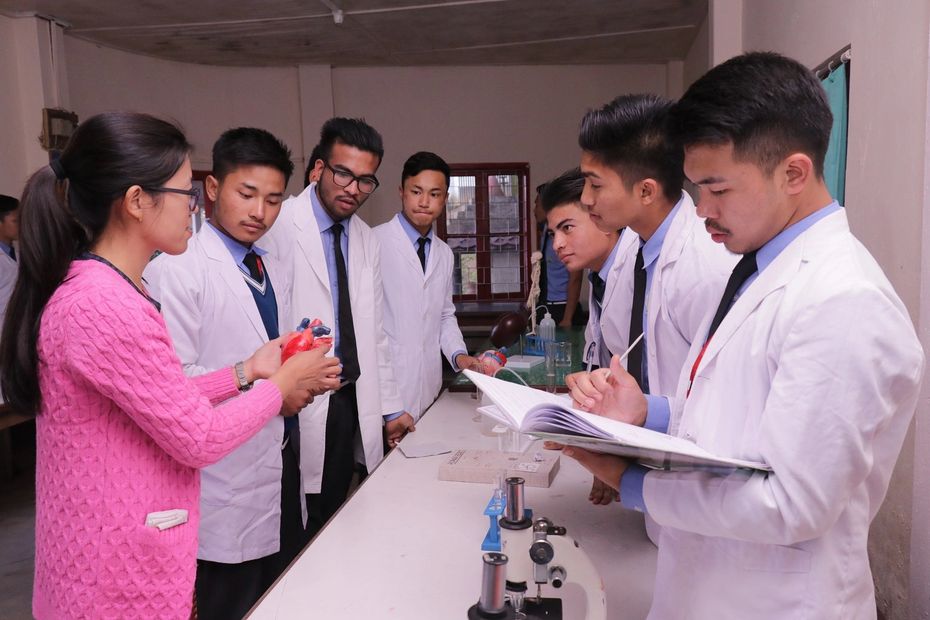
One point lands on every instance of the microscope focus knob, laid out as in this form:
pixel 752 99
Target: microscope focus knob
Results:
pixel 541 552
pixel 557 576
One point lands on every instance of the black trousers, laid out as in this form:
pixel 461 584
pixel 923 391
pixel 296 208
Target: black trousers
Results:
pixel 228 591
pixel 338 460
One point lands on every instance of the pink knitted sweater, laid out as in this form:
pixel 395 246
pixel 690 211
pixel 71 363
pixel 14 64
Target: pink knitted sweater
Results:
pixel 121 433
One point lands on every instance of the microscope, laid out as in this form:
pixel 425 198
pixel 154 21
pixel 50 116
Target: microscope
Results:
pixel 534 551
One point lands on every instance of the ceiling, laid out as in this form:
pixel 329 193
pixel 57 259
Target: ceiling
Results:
pixel 383 32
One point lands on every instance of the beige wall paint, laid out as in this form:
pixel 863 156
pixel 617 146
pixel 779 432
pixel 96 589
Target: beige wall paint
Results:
pixel 886 198
pixel 30 78
pixel 465 114
pixel 12 166
pixel 481 114
pixel 697 62
pixel 205 100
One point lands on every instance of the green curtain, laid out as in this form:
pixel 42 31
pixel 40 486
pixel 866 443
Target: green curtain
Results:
pixel 834 168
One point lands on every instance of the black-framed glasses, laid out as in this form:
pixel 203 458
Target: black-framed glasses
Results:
pixel 344 178
pixel 193 193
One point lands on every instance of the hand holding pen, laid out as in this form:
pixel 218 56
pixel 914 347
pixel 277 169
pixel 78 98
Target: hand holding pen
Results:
pixel 610 392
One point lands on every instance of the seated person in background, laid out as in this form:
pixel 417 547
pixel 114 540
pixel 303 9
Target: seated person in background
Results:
pixel 221 298
pixel 9 232
pixel 581 245
pixel 559 289
pixel 416 268
pixel 809 364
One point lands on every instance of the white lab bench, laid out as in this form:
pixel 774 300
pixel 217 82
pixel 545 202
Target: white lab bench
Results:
pixel 407 545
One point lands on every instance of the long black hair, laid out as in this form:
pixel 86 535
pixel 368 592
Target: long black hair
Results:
pixel 64 208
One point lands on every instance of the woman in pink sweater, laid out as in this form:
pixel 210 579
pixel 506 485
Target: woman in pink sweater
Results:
pixel 121 432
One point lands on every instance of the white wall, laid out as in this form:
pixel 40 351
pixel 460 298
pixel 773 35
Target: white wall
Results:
pixel 886 197
pixel 12 167
pixel 481 114
pixel 697 62
pixel 205 100
pixel 29 74
pixel 465 114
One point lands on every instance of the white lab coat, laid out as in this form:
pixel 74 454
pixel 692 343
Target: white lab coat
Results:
pixel 296 236
pixel 687 283
pixel 815 371
pixel 214 322
pixel 419 316
pixel 609 331
pixel 8 271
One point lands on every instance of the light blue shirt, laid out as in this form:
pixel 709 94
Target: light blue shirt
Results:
pixel 7 249
pixel 631 483
pixel 556 273
pixel 414 235
pixel 325 223
pixel 237 249
pixel 651 251
pixel 604 271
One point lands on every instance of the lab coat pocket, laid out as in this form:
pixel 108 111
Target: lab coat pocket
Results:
pixel 760 557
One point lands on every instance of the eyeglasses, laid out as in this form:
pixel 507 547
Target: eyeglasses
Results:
pixel 344 178
pixel 193 193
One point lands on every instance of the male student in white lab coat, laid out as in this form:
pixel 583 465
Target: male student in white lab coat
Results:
pixel 9 232
pixel 416 270
pixel 808 363
pixel 581 245
pixel 633 179
pixel 336 261
pixel 221 299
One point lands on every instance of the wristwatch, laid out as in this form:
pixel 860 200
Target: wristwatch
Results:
pixel 240 376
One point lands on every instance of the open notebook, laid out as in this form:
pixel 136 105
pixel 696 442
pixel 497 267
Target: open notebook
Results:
pixel 549 416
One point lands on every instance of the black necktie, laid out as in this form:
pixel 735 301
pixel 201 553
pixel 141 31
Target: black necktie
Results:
pixel 348 354
pixel 635 359
pixel 12 252
pixel 744 268
pixel 254 265
pixel 597 288
pixel 421 251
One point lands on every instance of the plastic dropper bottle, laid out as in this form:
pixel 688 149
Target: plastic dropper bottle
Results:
pixel 547 327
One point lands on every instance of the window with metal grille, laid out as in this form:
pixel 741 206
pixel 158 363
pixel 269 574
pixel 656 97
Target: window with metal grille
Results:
pixel 487 225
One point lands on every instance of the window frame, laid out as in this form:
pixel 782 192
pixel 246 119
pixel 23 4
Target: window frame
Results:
pixel 483 234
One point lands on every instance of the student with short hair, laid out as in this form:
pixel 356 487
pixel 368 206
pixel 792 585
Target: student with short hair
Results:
pixel 581 245
pixel 223 296
pixel 633 179
pixel 808 363
pixel 120 432
pixel 416 271
pixel 337 278
pixel 559 289
pixel 9 232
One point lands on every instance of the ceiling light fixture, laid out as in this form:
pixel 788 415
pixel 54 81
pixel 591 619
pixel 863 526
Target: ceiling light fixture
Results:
pixel 338 14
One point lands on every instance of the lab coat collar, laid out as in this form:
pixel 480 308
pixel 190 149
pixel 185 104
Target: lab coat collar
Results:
pixel 779 273
pixel 308 236
pixel 215 250
pixel 626 248
pixel 407 248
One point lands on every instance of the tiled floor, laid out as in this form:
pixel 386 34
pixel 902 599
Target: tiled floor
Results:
pixel 17 523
